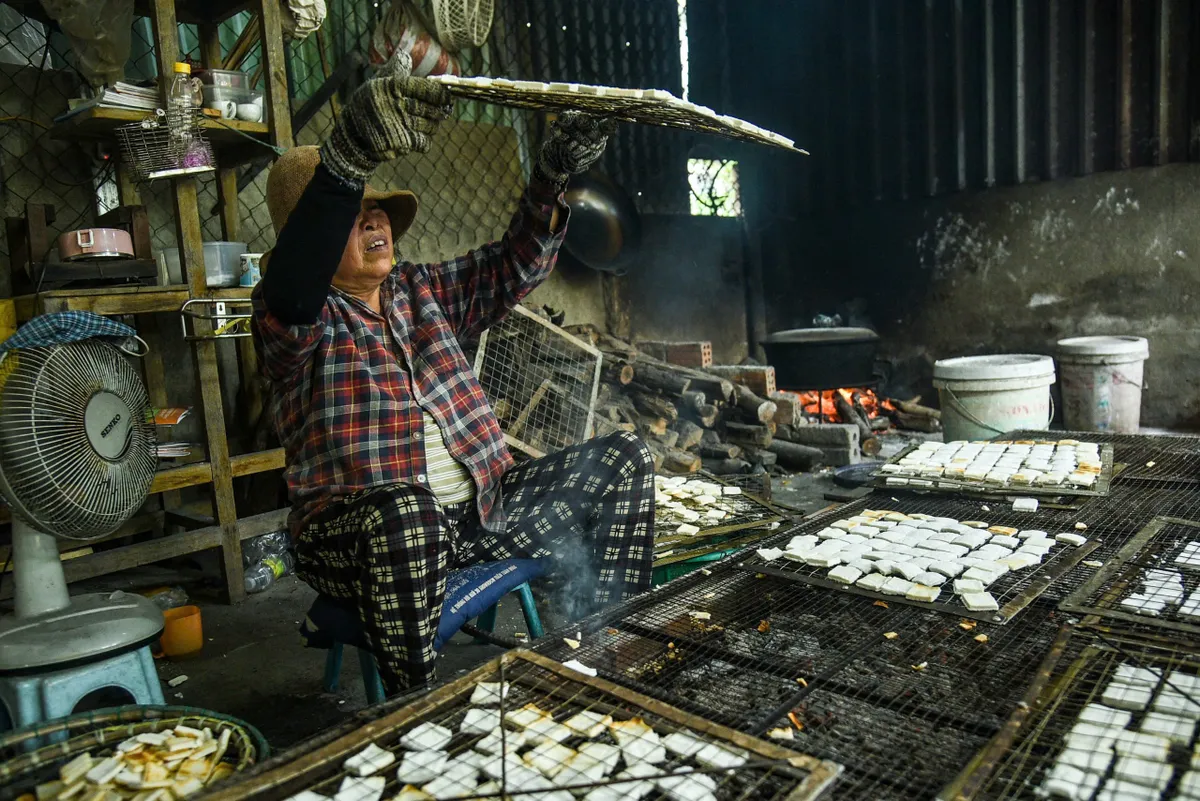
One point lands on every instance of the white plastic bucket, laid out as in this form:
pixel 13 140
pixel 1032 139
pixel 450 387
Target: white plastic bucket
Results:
pixel 1102 382
pixel 983 396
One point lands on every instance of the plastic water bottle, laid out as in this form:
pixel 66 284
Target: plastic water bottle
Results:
pixel 259 578
pixel 181 105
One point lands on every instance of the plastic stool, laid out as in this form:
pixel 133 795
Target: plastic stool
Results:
pixel 373 685
pixel 38 697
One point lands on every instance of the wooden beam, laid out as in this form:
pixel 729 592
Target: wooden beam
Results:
pixel 960 106
pixel 1020 85
pixel 989 92
pixel 197 473
pixel 931 127
pixel 168 547
pixel 1125 86
pixel 250 463
pixel 876 87
pixel 1087 90
pixel 902 137
pixel 1170 67
pixel 1054 70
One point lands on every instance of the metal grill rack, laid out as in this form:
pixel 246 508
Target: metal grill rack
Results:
pixel 1086 668
pixel 1168 462
pixel 1156 547
pixel 1013 592
pixel 771 647
pixel 972 487
pixel 541 382
pixel 751 512
pixel 770 770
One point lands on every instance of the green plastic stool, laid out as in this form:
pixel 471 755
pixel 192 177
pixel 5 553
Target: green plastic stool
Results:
pixel 373 685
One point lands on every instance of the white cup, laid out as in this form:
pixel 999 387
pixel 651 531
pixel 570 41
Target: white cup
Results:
pixel 227 108
pixel 250 112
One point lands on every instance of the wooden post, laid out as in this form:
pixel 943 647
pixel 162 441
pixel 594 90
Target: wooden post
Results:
pixel 156 382
pixel 191 256
pixel 275 71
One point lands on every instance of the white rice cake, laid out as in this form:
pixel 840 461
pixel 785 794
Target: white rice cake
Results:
pixel 947 568
pixel 1069 782
pixel 419 767
pixel 427 737
pixel 1142 745
pixel 354 788
pixel 872 581
pixel 845 574
pixel 1071 539
pixel 980 601
pixel 1138 676
pixel 896 586
pixel 963 586
pixel 1124 696
pixel 1184 682
pixel 1143 771
pixel 1173 727
pixel 588 724
pixel 1102 715
pixel 818 559
pixel 923 593
pixel 487 693
pixel 1090 760
pixel 1171 702
pixel 1189 785
pixel 479 720
pixel 909 570
pixel 1020 561
pixel 495 742
pixel 930 579
pixel 1118 790
pixel 983 575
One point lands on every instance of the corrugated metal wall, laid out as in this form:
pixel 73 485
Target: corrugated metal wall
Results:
pixel 908 98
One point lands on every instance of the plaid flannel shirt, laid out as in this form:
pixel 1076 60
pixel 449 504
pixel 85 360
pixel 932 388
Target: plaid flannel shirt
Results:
pixel 346 392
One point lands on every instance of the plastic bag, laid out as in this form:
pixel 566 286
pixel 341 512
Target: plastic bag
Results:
pixel 402 28
pixel 99 31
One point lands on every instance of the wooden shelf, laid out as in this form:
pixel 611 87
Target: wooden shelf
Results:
pixel 168 547
pixel 193 475
pixel 99 123
pixel 118 300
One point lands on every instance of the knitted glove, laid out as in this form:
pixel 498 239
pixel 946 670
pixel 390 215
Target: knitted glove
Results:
pixel 388 116
pixel 575 143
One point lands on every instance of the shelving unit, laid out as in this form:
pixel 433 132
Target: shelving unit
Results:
pixel 150 305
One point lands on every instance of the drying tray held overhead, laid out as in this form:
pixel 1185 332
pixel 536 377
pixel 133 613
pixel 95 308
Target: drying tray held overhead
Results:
pixel 647 106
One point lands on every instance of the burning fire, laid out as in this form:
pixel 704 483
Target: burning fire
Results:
pixel 821 405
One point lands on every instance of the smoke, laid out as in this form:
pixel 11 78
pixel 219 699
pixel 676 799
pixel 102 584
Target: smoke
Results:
pixel 576 572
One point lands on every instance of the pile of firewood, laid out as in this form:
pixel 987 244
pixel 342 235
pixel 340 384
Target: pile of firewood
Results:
pixel 692 417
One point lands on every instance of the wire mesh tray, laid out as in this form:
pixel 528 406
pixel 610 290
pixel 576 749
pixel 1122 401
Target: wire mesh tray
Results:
pixel 1013 591
pixel 769 771
pixel 1152 460
pixel 980 488
pixel 1111 594
pixel 750 512
pixel 647 106
pixel 1089 664
pixel 902 697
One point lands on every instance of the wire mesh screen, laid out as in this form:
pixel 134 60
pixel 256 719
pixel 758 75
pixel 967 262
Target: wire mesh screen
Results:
pixel 1154 581
pixel 540 380
pixel 561 731
pixel 1117 721
pixel 468 183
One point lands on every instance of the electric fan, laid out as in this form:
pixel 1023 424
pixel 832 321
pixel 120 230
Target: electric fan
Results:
pixel 77 456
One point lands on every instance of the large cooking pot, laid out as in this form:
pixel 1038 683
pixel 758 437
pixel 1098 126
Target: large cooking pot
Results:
pixel 606 230
pixel 822 358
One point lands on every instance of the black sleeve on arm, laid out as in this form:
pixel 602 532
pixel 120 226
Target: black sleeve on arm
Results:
pixel 309 248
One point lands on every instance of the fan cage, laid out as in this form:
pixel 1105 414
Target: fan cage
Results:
pixel 462 23
pixel 51 474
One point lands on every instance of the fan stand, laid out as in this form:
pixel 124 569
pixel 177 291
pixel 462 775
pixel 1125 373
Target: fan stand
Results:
pixel 51 629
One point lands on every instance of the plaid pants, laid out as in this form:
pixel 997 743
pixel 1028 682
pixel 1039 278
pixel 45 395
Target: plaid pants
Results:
pixel 389 549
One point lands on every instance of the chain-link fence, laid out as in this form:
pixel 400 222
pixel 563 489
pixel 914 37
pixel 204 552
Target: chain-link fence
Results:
pixel 467 184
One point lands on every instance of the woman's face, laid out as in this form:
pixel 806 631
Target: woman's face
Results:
pixel 367 259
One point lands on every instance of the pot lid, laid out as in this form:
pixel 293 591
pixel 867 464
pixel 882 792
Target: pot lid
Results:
pixel 804 335
pixel 994 367
pixel 1105 346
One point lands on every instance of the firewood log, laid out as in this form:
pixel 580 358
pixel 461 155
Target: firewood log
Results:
pixel 754 436
pixel 800 457
pixel 850 415
pixel 655 406
pixel 652 426
pixel 760 456
pixel 605 426
pixel 726 467
pixel 689 434
pixel 720 450
pixel 668 439
pixel 675 460
pixel 913 407
pixel 617 372
pixel 757 408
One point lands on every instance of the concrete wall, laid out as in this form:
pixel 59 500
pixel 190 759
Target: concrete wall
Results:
pixel 1012 270
pixel 689 283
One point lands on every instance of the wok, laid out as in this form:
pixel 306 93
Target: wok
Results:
pixel 605 231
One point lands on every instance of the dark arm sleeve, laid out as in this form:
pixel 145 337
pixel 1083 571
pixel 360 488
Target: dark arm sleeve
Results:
pixel 309 248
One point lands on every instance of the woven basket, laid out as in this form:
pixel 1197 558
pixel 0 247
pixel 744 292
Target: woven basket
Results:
pixel 24 765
